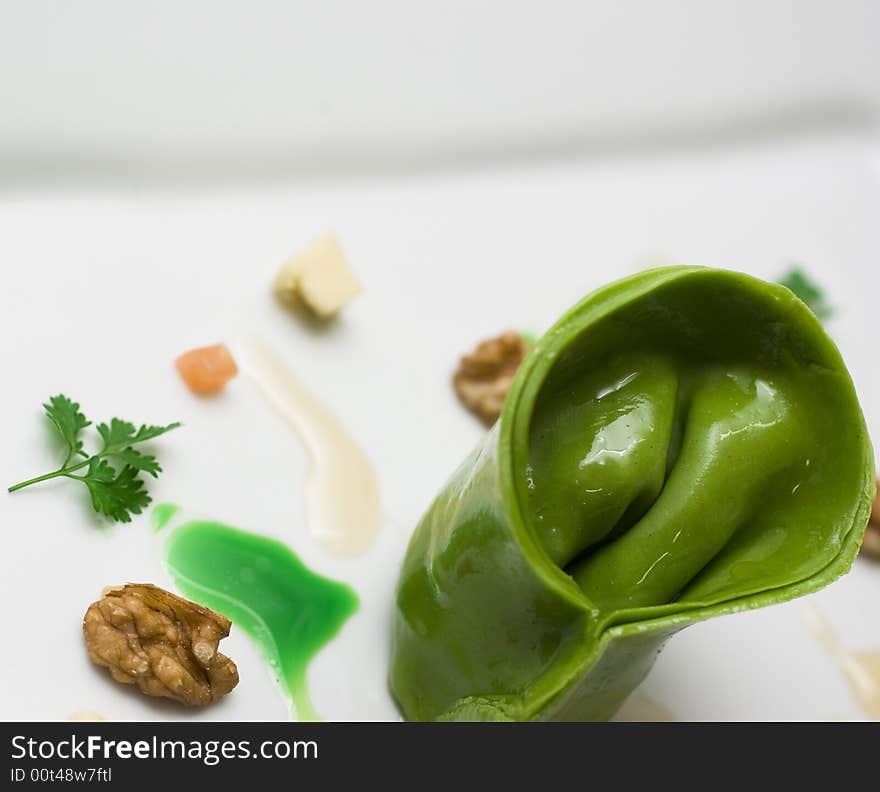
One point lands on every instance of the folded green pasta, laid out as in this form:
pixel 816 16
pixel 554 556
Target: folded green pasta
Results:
pixel 682 444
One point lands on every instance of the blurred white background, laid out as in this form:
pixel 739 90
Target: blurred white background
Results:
pixel 222 89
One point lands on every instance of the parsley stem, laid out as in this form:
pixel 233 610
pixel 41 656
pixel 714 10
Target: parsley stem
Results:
pixel 63 471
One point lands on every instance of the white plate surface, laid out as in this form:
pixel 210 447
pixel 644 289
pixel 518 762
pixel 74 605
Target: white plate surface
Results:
pixel 103 289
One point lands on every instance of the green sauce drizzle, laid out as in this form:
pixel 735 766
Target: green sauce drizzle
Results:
pixel 161 515
pixel 260 585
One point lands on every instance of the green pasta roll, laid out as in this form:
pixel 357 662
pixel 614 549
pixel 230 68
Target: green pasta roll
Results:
pixel 682 444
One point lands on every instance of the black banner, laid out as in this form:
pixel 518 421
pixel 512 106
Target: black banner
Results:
pixel 139 755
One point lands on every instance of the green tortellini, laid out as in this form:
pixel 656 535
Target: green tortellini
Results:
pixel 682 444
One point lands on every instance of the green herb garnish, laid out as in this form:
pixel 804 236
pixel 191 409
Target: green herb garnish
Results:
pixel 797 281
pixel 117 493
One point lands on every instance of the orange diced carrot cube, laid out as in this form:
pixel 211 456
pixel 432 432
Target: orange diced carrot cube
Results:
pixel 207 369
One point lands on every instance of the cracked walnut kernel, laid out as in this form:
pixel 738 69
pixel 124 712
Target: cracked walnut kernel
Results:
pixel 162 643
pixel 484 376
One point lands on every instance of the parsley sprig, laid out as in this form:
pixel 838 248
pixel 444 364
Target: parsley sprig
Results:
pixel 116 491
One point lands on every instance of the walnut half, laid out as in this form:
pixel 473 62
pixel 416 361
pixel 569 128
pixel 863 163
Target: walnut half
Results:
pixel 485 375
pixel 162 643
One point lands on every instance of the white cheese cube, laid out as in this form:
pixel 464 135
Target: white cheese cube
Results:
pixel 320 276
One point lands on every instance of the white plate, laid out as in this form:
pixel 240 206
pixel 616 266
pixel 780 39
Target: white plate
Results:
pixel 103 290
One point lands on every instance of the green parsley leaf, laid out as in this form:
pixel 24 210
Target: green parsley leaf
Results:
pixel 145 462
pixel 121 434
pixel 69 422
pixel 115 493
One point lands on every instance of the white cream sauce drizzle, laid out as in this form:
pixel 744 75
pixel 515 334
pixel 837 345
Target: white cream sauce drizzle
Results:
pixel 343 504
pixel 85 716
pixel 861 669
